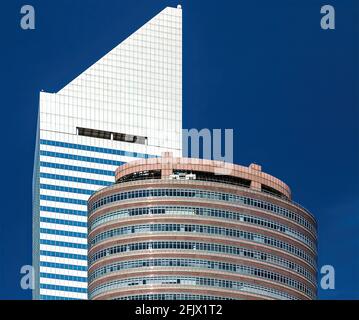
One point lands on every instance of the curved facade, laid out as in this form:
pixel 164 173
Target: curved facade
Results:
pixel 176 228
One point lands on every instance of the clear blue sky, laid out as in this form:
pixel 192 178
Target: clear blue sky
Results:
pixel 264 68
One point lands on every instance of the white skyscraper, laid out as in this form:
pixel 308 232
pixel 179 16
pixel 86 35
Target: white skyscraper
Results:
pixel 128 105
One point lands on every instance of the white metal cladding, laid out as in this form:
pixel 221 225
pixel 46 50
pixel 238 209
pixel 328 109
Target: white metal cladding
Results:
pixel 134 89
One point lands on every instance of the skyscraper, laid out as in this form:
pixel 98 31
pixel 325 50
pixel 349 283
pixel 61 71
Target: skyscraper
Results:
pixel 172 228
pixel 127 105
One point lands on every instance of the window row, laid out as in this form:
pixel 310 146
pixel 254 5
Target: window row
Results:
pixel 200 211
pixel 62 266
pixel 62 277
pixel 190 281
pixel 203 229
pixel 62 288
pixel 76 168
pixel 202 264
pixel 80 158
pixel 94 149
pixel 170 245
pixel 171 296
pixel 195 193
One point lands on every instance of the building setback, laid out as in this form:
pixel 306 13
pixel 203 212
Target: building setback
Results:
pixel 172 228
pixel 126 106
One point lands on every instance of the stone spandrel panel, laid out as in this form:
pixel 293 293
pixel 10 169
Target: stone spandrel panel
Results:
pixel 136 88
